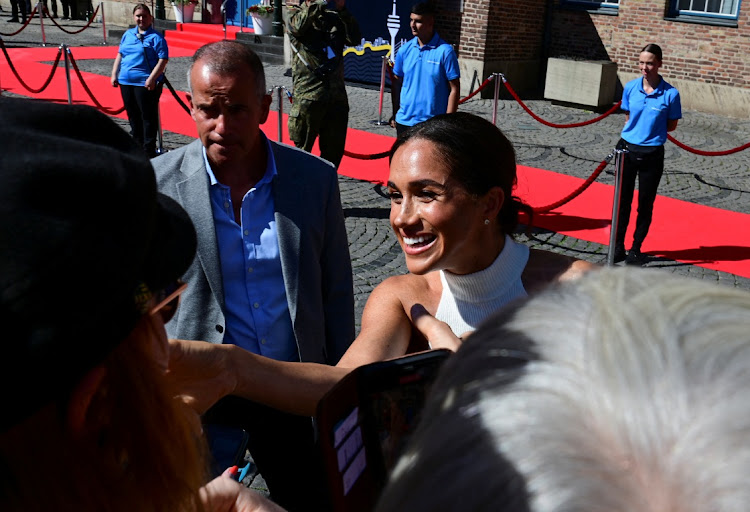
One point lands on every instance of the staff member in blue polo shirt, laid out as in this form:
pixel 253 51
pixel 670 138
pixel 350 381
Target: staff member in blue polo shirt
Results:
pixel 426 75
pixel 139 71
pixel 653 108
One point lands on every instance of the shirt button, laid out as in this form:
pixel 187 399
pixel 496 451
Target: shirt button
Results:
pixel 263 341
pixel 226 204
pixel 247 232
pixel 256 305
pixel 250 270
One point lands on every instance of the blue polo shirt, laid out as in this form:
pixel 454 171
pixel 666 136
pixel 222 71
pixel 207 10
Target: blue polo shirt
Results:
pixel 649 113
pixel 425 72
pixel 255 302
pixel 134 67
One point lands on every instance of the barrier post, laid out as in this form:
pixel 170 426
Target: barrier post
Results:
pixel 619 166
pixel 104 22
pixel 496 77
pixel 280 90
pixel 380 121
pixel 65 50
pixel 160 133
pixel 40 10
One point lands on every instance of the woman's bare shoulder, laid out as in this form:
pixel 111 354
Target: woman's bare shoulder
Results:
pixel 410 288
pixel 545 267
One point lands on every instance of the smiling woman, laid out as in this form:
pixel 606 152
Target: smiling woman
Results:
pixel 453 212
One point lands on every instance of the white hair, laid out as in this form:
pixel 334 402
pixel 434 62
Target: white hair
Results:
pixel 621 391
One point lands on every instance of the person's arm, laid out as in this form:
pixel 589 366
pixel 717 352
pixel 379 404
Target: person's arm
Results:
pixel 454 96
pixel 386 328
pixel 116 70
pixel 672 125
pixel 155 74
pixel 202 373
pixel 395 97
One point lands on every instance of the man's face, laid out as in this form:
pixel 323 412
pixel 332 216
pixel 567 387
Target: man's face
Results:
pixel 422 26
pixel 228 113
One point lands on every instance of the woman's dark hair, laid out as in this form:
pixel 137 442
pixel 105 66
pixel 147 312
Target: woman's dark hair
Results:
pixel 141 6
pixel 479 155
pixel 653 48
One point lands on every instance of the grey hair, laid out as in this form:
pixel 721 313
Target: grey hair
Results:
pixel 622 391
pixel 229 57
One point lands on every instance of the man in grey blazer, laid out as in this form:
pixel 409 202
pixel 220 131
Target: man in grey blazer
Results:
pixel 272 272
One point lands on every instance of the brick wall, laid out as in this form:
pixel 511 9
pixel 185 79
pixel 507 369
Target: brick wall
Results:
pixel 695 52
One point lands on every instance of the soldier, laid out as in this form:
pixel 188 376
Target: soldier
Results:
pixel 318 32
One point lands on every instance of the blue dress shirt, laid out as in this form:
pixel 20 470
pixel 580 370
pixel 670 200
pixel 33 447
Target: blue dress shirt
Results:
pixel 256 307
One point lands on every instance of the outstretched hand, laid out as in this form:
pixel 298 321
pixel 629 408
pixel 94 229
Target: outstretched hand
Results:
pixel 200 373
pixel 223 494
pixel 437 333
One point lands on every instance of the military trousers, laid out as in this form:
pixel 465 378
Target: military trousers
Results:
pixel 325 120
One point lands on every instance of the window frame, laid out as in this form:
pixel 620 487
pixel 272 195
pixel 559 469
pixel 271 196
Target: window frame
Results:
pixel 703 18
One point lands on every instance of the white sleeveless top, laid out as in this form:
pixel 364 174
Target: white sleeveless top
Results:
pixel 467 300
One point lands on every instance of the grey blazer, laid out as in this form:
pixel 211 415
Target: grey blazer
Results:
pixel 313 245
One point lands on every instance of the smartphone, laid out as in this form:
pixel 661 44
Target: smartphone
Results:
pixel 365 422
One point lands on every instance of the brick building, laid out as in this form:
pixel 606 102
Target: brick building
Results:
pixel 706 43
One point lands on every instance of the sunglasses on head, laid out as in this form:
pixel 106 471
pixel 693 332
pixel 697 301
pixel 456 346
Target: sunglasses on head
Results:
pixel 167 300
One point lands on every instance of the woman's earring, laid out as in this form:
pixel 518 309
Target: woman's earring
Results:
pixel 486 222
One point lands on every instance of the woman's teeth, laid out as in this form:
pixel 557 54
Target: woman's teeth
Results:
pixel 419 240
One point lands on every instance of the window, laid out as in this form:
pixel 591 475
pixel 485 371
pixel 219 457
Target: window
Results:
pixel 718 12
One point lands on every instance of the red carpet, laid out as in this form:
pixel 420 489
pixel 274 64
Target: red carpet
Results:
pixel 681 231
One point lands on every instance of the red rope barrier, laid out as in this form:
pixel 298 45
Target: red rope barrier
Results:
pixel 20 80
pixel 26 24
pixel 554 125
pixel 359 156
pixel 576 192
pixel 88 91
pixel 708 153
pixel 87 25
pixel 479 89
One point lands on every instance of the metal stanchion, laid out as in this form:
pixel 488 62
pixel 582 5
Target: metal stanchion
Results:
pixel 39 7
pixel 104 22
pixel 280 90
pixel 380 121
pixel 66 50
pixel 619 166
pixel 496 77
pixel 160 133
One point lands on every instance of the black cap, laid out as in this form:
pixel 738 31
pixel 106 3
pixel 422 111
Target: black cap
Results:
pixel 81 228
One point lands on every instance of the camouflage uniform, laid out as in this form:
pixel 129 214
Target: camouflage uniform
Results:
pixel 320 109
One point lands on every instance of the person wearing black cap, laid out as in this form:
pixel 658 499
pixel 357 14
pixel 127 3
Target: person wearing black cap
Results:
pixel 90 256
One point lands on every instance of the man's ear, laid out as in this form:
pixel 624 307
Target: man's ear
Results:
pixel 265 106
pixel 189 98
pixel 79 419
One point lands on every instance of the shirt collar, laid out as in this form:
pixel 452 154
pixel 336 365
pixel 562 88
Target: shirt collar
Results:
pixel 267 176
pixel 433 43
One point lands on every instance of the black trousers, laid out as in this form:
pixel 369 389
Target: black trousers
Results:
pixel 283 447
pixel 648 167
pixel 15 6
pixel 142 107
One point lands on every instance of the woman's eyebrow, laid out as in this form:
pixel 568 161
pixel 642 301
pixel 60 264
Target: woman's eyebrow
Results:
pixel 420 183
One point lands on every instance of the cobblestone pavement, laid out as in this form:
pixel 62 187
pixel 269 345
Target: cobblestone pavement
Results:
pixel 721 182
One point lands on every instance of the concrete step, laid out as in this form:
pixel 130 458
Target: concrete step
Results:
pixel 270 49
